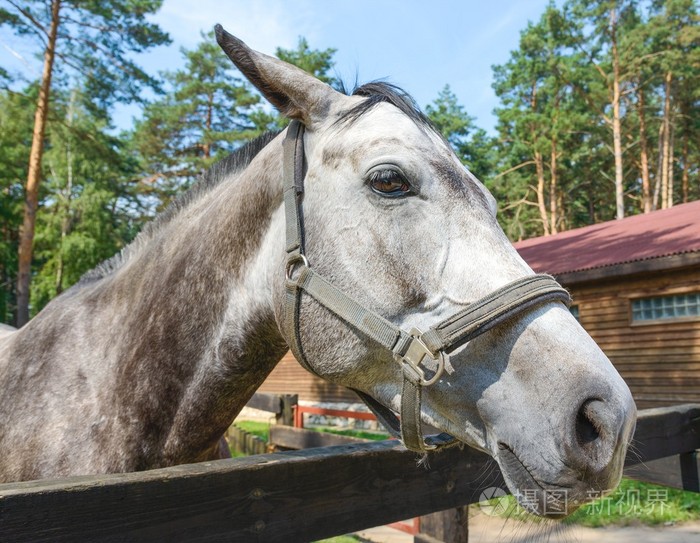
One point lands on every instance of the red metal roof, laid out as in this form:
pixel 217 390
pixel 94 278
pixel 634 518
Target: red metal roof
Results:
pixel 640 237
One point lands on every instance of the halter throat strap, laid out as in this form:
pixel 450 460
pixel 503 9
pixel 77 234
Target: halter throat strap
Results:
pixel 421 355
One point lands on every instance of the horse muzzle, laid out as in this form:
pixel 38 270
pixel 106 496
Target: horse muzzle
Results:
pixel 580 462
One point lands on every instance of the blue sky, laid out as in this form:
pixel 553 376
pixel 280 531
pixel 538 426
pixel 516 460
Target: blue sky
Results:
pixel 419 45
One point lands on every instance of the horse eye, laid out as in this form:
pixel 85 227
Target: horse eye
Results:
pixel 389 183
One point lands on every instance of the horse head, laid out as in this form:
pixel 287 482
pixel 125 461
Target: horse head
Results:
pixel 392 219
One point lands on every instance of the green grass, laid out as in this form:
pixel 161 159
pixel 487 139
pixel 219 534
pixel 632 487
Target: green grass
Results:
pixel 260 429
pixel 636 502
pixel 633 502
pixel 362 434
pixel 340 539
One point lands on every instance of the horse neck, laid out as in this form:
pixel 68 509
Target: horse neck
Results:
pixel 197 310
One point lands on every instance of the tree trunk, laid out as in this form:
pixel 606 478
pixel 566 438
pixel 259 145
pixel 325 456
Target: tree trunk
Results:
pixel 685 173
pixel 561 217
pixel 644 153
pixel 541 205
pixel 666 141
pixel 659 167
pixel 66 219
pixel 671 143
pixel 208 124
pixel 685 149
pixel 31 201
pixel 616 124
pixel 553 200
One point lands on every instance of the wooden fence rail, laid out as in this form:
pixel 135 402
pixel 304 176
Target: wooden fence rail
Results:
pixel 296 496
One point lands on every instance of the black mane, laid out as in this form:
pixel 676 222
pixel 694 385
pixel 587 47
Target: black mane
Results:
pixel 375 92
pixel 209 179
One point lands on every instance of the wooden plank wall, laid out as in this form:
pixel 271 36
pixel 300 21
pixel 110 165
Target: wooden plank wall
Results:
pixel 289 377
pixel 660 362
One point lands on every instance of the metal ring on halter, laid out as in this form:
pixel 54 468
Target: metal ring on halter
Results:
pixel 292 263
pixel 438 372
pixel 414 356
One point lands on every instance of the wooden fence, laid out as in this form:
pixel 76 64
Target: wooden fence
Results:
pixel 295 496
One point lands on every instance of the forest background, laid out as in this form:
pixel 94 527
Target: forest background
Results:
pixel 597 119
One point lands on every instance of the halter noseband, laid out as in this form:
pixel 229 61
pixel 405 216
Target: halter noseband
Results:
pixel 416 351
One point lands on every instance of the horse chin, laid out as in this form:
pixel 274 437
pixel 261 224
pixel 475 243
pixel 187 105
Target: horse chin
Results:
pixel 550 499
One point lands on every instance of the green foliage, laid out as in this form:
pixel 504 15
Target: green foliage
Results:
pixel 539 118
pixel 556 167
pixel 472 145
pixel 262 430
pixel 362 434
pixel 205 114
pixel 94 44
pixel 87 199
pixel 90 42
pixel 634 502
pixel 16 121
pixel 314 61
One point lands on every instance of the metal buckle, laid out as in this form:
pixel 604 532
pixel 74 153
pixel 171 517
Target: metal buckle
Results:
pixel 294 261
pixel 414 356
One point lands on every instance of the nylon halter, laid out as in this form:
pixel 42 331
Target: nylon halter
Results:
pixel 421 355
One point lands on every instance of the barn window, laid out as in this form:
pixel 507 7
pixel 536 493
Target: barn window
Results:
pixel 666 307
pixel 574 311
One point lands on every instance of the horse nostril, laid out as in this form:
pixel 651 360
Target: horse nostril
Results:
pixel 587 425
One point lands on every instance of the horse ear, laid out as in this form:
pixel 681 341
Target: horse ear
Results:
pixel 295 93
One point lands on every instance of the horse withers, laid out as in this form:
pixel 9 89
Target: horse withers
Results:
pixel 146 361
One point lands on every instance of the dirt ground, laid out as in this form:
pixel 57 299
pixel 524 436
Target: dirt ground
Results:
pixel 487 529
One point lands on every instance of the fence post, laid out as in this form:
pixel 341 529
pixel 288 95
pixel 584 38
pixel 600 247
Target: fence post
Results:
pixel 451 526
pixel 689 471
pixel 289 401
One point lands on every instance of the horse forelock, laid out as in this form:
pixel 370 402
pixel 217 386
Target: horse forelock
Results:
pixel 377 92
pixel 217 173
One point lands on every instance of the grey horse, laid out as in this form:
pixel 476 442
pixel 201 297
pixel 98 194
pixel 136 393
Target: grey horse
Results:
pixel 146 361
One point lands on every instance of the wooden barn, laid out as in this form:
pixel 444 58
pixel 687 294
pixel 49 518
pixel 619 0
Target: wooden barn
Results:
pixel 636 289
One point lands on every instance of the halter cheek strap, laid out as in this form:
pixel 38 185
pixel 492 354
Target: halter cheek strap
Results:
pixel 421 355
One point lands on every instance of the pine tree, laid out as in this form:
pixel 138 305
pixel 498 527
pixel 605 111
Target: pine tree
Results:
pixel 675 36
pixel 472 144
pixel 88 198
pixel 603 77
pixel 539 122
pixel 207 111
pixel 88 38
pixel 15 140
